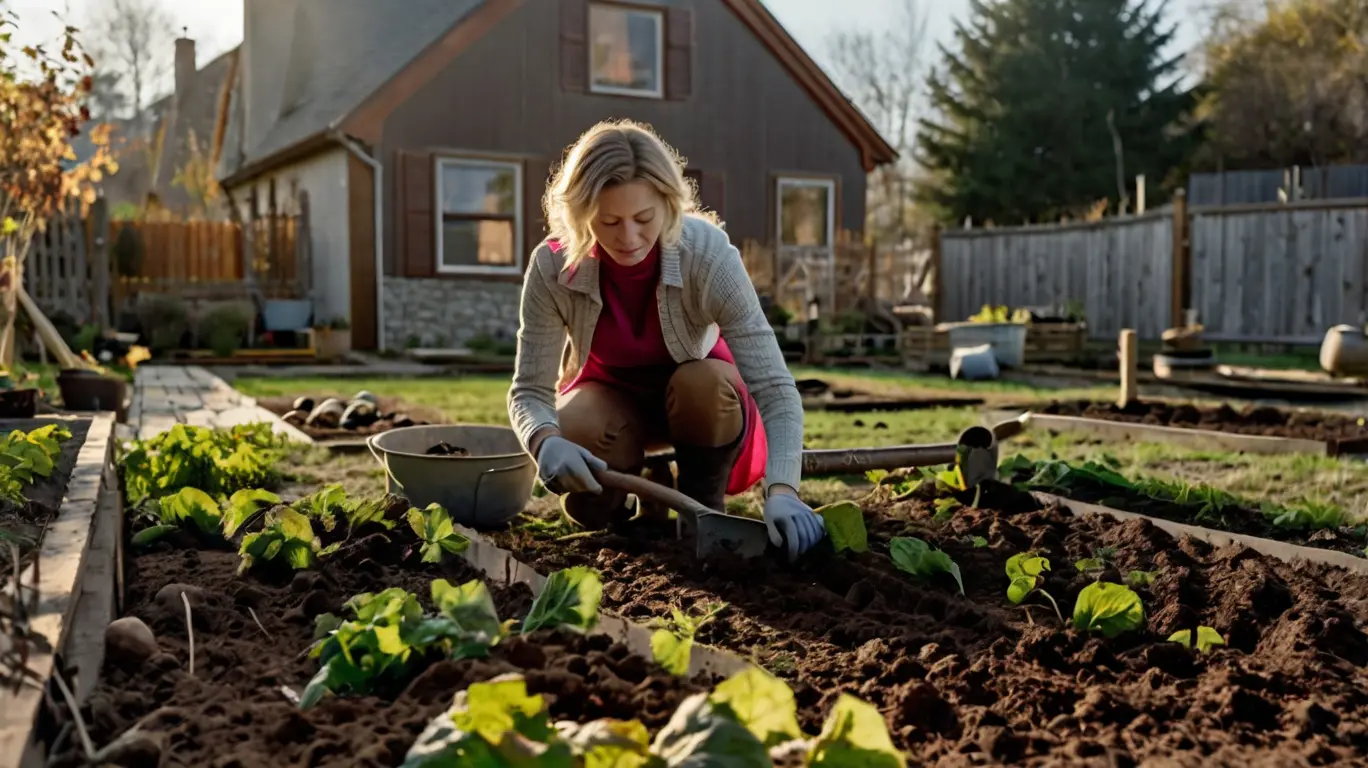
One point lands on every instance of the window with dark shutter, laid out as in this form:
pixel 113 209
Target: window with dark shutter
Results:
pixel 574 59
pixel 679 43
pixel 416 199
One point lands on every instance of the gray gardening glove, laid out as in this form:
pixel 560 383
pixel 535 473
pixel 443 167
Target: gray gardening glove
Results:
pixel 799 526
pixel 564 467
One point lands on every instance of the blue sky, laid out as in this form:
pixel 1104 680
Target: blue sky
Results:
pixel 216 25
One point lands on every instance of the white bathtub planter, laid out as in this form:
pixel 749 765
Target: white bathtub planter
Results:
pixel 1008 340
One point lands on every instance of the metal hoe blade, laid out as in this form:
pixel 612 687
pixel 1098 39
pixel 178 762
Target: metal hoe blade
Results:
pixel 714 533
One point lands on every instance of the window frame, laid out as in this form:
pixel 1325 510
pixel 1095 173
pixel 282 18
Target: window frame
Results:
pixel 441 217
pixel 804 181
pixel 611 90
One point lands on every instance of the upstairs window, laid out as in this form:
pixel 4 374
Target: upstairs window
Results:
pixel 626 51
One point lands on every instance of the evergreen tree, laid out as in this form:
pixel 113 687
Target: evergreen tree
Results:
pixel 1031 107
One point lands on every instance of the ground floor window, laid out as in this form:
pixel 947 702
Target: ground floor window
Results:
pixel 807 212
pixel 480 229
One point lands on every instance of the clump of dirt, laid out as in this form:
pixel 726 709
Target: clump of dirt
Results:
pixel 1250 420
pixel 232 711
pixel 974 679
pixel 446 449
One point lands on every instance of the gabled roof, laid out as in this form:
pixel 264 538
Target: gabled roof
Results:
pixel 366 58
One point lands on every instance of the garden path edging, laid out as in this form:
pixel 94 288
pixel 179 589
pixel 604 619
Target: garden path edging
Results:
pixel 78 580
pixel 501 566
pixel 1289 553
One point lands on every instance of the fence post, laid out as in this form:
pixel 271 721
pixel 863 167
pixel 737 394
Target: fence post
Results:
pixel 99 255
pixel 937 276
pixel 1181 262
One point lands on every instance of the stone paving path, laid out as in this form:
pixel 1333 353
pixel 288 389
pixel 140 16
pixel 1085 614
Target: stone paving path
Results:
pixel 166 395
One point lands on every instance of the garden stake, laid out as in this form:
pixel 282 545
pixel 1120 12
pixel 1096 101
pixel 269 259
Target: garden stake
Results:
pixel 189 630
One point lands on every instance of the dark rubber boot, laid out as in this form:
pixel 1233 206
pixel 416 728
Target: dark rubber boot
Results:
pixel 704 472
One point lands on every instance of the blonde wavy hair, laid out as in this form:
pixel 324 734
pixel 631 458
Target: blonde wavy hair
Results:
pixel 610 153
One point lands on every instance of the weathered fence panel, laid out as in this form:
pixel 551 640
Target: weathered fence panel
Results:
pixel 1279 273
pixel 1120 270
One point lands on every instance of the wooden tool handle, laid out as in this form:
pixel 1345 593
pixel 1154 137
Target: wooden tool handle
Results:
pixel 1011 428
pixel 649 491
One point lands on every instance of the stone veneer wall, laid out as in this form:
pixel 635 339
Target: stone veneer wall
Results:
pixel 447 313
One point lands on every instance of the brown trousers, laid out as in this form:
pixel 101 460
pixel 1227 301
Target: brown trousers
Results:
pixel 703 409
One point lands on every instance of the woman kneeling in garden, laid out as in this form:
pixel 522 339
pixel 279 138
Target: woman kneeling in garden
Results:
pixel 667 344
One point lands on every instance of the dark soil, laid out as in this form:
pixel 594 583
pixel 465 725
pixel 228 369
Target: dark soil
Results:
pixel 1251 420
pixel 446 449
pixel 393 412
pixel 45 495
pixel 232 711
pixel 976 681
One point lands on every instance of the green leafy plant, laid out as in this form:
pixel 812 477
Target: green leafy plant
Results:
pixel 1140 578
pixel 224 328
pixel 569 599
pixel 945 509
pixel 331 503
pixel 471 609
pixel 216 461
pixel 433 526
pixel 672 641
pixel 1108 608
pixel 287 536
pixel 207 516
pixel 26 457
pixel 845 526
pixel 916 557
pixel 1025 570
pixel 387 630
pixel 1207 638
pixel 498 723
pixel 1102 557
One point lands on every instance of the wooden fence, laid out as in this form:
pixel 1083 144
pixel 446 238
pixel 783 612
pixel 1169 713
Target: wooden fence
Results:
pixel 1274 274
pixel 1119 270
pixel 76 267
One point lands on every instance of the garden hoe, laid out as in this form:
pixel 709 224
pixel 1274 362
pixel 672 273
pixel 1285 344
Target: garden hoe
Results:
pixel 717 533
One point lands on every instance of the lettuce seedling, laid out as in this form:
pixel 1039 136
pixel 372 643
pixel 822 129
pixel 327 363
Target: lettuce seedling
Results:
pixel 495 723
pixel 1108 608
pixel 287 535
pixel 1207 638
pixel 1140 578
pixel 916 557
pixel 855 733
pixel 845 526
pixel 332 503
pixel 672 641
pixel 570 599
pixel 433 526
pixel 206 516
pixel 470 608
pixel 1024 570
pixel 761 702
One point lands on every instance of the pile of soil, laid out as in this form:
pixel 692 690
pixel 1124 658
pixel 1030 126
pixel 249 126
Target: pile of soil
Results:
pixel 232 711
pixel 1250 420
pixel 392 411
pixel 45 495
pixel 976 680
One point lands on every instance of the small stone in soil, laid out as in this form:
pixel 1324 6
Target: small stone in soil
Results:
pixel 446 449
pixel 130 642
pixel 169 596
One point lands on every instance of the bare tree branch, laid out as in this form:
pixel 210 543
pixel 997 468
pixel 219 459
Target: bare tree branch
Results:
pixel 133 42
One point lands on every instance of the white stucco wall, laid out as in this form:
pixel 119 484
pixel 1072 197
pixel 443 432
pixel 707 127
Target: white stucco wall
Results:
pixel 324 177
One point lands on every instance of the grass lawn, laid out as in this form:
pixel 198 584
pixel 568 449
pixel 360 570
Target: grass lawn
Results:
pixel 480 399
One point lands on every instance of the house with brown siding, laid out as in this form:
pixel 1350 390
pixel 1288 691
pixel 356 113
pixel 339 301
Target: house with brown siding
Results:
pixel 423 138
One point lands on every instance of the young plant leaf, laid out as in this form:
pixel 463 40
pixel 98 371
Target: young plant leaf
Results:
pixel 569 599
pixel 433 525
pixel 1108 608
pixel 854 734
pixel 876 476
pixel 499 706
pixel 845 526
pixel 672 642
pixel 1207 638
pixel 700 734
pixel 1024 570
pixel 471 608
pixel 147 536
pixel 1090 564
pixel 761 702
pixel 287 535
pixel 978 542
pixel 242 505
pixel 194 506
pixel 1140 578
pixel 945 509
pixel 916 557
pixel 609 743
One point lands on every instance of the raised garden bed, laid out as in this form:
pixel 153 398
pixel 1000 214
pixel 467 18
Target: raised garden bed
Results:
pixel 1046 342
pixel 975 679
pixel 1319 525
pixel 65 536
pixel 393 412
pixel 1253 429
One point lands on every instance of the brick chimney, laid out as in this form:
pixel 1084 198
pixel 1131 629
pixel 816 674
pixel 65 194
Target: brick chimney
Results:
pixel 185 64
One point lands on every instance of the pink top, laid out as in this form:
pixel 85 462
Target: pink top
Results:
pixel 628 352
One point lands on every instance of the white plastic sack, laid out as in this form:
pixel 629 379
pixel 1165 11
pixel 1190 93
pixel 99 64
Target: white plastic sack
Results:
pixel 973 363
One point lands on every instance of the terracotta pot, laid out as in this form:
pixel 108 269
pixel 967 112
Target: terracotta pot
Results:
pixel 1344 352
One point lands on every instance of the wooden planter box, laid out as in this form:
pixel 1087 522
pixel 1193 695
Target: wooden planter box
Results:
pixel 929 346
